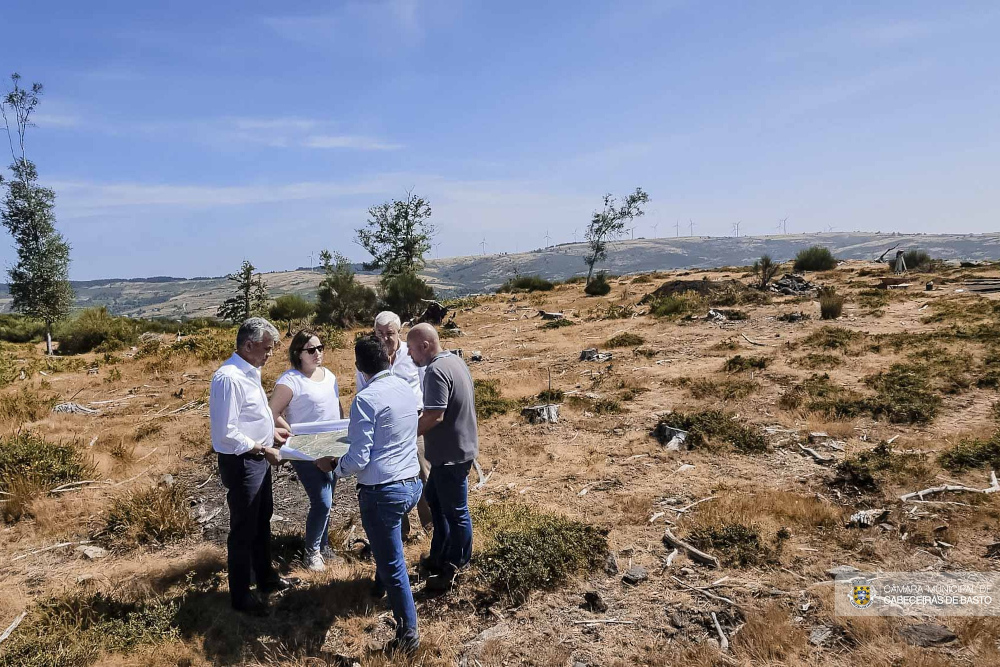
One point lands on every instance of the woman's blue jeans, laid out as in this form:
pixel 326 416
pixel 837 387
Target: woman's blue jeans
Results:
pixel 382 510
pixel 319 487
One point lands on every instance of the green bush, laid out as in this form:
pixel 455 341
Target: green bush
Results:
pixel 557 324
pixel 917 260
pixel 740 363
pixel 738 545
pixel 403 294
pixel 21 329
pixel 526 284
pixel 867 470
pixel 668 306
pixel 972 454
pixel 626 339
pixel 490 400
pixel 47 463
pixel 526 549
pixel 599 285
pixel 713 425
pixel 78 629
pixel 96 329
pixel 816 258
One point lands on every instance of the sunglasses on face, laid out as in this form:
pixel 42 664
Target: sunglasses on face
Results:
pixel 312 350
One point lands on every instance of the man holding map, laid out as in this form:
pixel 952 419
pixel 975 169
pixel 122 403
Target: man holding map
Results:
pixel 448 424
pixel 382 452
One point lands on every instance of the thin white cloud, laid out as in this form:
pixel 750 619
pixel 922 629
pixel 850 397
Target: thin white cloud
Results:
pixel 56 120
pixel 349 141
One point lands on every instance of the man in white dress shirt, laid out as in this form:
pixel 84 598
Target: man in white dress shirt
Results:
pixel 243 434
pixel 387 326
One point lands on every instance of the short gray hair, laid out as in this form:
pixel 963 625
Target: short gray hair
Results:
pixel 388 317
pixel 254 330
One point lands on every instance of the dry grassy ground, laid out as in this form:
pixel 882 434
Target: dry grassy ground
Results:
pixel 776 518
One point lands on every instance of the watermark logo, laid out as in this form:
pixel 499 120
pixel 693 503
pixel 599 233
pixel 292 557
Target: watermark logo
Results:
pixel 861 596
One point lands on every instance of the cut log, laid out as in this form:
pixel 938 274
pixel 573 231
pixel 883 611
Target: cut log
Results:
pixel 994 487
pixel 696 554
pixel 551 316
pixel 541 414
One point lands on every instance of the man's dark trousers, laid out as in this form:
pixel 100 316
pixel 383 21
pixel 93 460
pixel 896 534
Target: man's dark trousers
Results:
pixel 447 493
pixel 248 481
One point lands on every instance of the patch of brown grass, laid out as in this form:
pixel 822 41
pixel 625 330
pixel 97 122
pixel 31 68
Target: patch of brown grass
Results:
pixel 770 636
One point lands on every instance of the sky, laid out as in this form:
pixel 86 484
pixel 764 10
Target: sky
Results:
pixel 183 137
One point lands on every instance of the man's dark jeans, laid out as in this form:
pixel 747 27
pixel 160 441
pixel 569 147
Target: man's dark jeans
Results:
pixel 382 510
pixel 448 496
pixel 248 481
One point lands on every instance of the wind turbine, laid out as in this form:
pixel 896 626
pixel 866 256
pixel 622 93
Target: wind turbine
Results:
pixel 677 228
pixel 736 227
pixel 784 225
pixel 547 238
pixel 574 234
pixel 691 226
pixel 437 253
pixel 483 244
pixel 311 260
pixel 655 225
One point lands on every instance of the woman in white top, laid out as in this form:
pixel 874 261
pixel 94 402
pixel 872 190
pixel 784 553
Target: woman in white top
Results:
pixel 308 392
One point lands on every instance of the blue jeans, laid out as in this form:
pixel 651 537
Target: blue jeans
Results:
pixel 382 511
pixel 448 497
pixel 319 487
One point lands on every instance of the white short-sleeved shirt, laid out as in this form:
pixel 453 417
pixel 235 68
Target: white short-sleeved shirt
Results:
pixel 312 400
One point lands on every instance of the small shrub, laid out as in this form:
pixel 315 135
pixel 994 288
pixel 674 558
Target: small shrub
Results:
pixel 834 338
pixel 143 431
pixel 526 549
pixel 78 629
pixel 21 329
pixel 816 258
pixel 647 352
pixel 866 470
pixel 114 375
pixel 490 400
pixel 557 324
pixel 669 306
pixel 714 425
pixel 526 284
pixel 972 454
pixel 206 346
pixel 764 269
pixel 831 305
pixel 618 312
pixel 740 363
pixel 917 260
pixel 155 515
pixel 49 464
pixel 599 285
pixel 96 328
pixel 625 339
pixel 793 317
pixel 642 280
pixel 551 396
pixel 902 395
pixel 728 390
pixel 607 406
pixel 739 545
pixel 817 362
pixel 24 406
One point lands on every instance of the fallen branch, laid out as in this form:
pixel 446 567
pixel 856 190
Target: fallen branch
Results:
pixel 952 488
pixel 670 558
pixel 694 504
pixel 12 627
pixel 696 554
pixel 54 546
pixel 76 486
pixel 713 596
pixel 613 621
pixel 205 482
pixel 753 342
pixel 656 516
pixel 482 478
pixel 132 479
pixel 819 458
pixel 723 642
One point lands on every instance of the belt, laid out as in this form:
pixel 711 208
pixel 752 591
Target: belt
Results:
pixel 376 487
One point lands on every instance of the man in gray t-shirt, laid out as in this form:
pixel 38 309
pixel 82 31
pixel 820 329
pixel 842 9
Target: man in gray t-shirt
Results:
pixel 451 443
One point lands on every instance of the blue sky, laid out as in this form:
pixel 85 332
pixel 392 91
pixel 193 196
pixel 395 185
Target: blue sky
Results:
pixel 182 137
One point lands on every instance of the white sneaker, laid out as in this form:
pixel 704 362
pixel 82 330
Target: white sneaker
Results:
pixel 313 560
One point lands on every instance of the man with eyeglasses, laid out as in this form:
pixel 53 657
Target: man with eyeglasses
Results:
pixel 244 434
pixel 387 326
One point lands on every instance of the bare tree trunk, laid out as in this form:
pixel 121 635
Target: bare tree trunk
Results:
pixel 48 341
pixel 589 273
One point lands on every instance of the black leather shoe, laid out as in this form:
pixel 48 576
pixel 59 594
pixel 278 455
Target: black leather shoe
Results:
pixel 430 565
pixel 251 605
pixel 277 585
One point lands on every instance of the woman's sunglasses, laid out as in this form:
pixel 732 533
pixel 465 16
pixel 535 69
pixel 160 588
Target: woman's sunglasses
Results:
pixel 311 350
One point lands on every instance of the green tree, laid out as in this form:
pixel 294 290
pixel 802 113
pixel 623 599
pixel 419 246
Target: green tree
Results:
pixel 341 300
pixel 397 235
pixel 250 298
pixel 609 225
pixel 39 280
pixel 404 294
pixel 291 307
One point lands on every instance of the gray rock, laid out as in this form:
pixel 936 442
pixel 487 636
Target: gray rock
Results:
pixel 820 635
pixel 677 620
pixel 593 601
pixel 497 631
pixel 635 575
pixel 167 480
pixel 686 571
pixel 842 571
pixel 927 634
pixel 91 552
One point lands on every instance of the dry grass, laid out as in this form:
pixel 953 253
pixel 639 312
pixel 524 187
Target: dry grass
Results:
pixel 155 515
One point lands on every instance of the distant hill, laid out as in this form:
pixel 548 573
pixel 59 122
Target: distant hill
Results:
pixel 164 296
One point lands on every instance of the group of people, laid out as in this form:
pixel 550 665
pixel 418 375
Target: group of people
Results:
pixel 412 439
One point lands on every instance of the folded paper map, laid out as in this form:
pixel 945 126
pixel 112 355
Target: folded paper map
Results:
pixel 316 440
